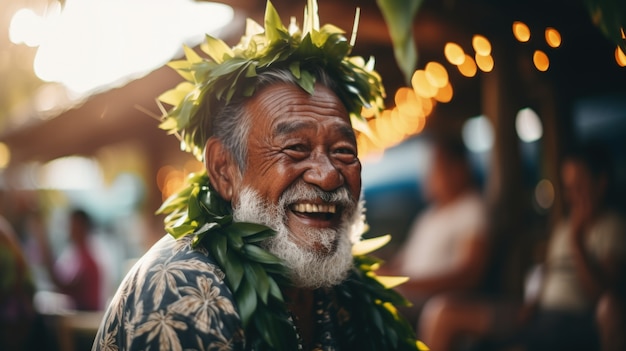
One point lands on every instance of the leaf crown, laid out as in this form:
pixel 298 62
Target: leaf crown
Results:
pixel 228 73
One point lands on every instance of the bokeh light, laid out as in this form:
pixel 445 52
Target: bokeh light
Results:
pixel 521 31
pixel 454 53
pixel 544 194
pixel 421 85
pixel 71 173
pixel 477 133
pixel 553 37
pixel 481 45
pixel 620 58
pixel 436 74
pixel 528 125
pixel 541 60
pixel 468 68
pixel 485 63
pixel 445 94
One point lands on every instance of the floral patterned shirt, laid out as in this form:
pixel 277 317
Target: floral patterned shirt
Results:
pixel 174 298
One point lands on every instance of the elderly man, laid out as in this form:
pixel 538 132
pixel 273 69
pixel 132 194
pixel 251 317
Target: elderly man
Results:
pixel 264 251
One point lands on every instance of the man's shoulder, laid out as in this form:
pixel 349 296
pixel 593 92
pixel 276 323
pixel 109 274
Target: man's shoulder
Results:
pixel 176 284
pixel 178 257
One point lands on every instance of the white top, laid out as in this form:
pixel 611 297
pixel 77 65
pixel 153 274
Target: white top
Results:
pixel 437 237
pixel 562 289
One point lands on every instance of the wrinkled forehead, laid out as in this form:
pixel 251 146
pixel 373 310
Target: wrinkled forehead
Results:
pixel 285 102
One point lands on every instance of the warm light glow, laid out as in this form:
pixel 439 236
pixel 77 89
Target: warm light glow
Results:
pixel 528 125
pixel 445 94
pixel 161 176
pixel 481 45
pixel 421 85
pixel 553 37
pixel 427 105
pixel 541 61
pixel 468 67
pixel 620 58
pixel 418 126
pixel 485 63
pixel 521 31
pixel 26 28
pixel 388 134
pixel 409 112
pixel 174 182
pixel 193 166
pixel 544 194
pixel 454 53
pixel 407 102
pixel 477 134
pixel 71 173
pixel 117 39
pixel 368 112
pixel 5 155
pixel 436 74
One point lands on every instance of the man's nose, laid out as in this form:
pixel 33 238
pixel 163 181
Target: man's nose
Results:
pixel 323 173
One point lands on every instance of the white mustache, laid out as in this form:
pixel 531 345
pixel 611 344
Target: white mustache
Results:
pixel 303 192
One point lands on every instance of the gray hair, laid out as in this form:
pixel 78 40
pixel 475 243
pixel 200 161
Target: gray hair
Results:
pixel 232 123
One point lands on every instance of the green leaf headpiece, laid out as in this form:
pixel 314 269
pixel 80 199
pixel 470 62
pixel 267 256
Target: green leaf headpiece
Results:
pixel 228 73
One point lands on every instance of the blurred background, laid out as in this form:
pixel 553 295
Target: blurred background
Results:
pixel 519 82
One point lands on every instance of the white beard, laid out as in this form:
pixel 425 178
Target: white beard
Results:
pixel 308 268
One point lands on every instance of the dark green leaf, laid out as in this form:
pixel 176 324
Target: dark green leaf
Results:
pixel 246 301
pixel 257 254
pixel 259 279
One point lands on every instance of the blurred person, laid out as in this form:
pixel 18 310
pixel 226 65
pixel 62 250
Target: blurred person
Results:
pixel 18 319
pixel 584 261
pixel 446 247
pixel 260 252
pixel 76 273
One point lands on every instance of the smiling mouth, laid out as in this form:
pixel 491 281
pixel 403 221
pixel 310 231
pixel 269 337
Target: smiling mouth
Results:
pixel 325 212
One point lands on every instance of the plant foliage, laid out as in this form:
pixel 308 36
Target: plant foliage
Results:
pixel 212 82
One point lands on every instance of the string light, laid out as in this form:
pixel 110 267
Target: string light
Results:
pixel 553 37
pixel 454 53
pixel 541 61
pixel 521 31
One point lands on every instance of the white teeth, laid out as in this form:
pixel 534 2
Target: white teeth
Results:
pixel 314 208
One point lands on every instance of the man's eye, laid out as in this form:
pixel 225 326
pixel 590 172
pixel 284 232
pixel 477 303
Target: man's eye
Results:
pixel 296 148
pixel 346 153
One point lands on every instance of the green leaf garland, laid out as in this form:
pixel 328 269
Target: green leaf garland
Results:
pixel 212 82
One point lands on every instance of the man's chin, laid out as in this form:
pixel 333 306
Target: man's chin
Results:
pixel 314 268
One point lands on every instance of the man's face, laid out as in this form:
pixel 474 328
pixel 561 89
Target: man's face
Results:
pixel 301 139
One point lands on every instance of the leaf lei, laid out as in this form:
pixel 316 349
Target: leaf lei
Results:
pixel 255 276
pixel 211 83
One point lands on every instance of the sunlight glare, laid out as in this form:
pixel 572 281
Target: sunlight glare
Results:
pixel 94 43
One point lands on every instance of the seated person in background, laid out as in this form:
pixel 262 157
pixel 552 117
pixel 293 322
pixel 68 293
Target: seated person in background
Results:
pixel 76 273
pixel 583 255
pixel 446 248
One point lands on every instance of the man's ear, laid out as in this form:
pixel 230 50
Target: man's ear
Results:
pixel 223 170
